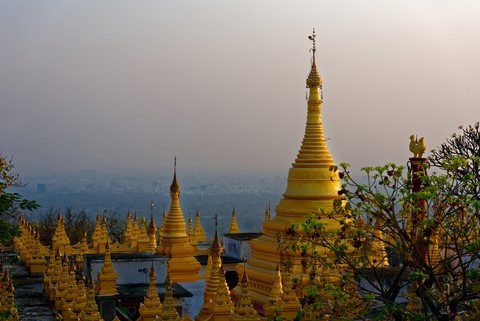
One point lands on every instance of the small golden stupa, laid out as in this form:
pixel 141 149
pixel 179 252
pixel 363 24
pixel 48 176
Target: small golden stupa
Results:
pixel 233 225
pixel 107 277
pixel 151 306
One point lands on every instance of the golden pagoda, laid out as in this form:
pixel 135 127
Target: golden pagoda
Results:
pixel 223 306
pixel 107 277
pixel 104 238
pixel 142 239
pixel 135 231
pixel 175 243
pixel 169 312
pixel 266 217
pixel 233 225
pixel 70 295
pixel 96 234
pixel 60 239
pixel 127 234
pixel 272 307
pixel 91 312
pixel 311 188
pixel 152 234
pixel 37 261
pixel 198 231
pixel 289 302
pixel 81 300
pixel 244 310
pixel 63 283
pixel 211 278
pixel 51 282
pixel 151 306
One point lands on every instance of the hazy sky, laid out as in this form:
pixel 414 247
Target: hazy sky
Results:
pixel 126 85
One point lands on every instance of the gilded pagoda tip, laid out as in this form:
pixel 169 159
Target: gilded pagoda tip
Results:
pixel 313 79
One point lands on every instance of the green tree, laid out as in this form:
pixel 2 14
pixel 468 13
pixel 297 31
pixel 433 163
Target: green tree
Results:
pixel 431 239
pixel 465 147
pixel 11 203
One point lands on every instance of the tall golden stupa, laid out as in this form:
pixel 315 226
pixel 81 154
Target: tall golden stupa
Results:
pixel 175 243
pixel 311 187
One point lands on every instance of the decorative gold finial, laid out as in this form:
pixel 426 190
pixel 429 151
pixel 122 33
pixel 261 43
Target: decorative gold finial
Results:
pixel 312 38
pixel 175 187
pixel 417 146
pixel 313 79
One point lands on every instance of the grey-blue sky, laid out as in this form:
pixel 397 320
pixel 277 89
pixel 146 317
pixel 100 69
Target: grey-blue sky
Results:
pixel 220 84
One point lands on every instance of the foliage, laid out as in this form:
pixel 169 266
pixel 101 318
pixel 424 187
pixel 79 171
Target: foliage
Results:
pixel 430 238
pixel 460 156
pixel 11 203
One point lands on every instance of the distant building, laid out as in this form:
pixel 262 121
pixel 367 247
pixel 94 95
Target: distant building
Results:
pixel 237 245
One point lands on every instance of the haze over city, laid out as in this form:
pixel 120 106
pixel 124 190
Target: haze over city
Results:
pixel 125 86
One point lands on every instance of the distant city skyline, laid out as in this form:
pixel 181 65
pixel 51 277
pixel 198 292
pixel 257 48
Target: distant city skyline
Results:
pixel 125 86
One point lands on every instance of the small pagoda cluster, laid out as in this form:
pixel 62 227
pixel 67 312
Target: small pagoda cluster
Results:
pixel 29 248
pixel 64 286
pixel 8 311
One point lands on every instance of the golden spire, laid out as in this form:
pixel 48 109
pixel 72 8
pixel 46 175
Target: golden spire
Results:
pixel 215 253
pixel 198 231
pixel 70 294
pixel 169 312
pixel 91 312
pixel 105 236
pixel 313 79
pixel 142 239
pixel 127 235
pixel 37 261
pixel 107 277
pixel 223 306
pixel 272 307
pixel 135 231
pixel 97 232
pixel 152 232
pixel 233 225
pixel 289 303
pixel 62 285
pixel 277 288
pixel 175 187
pixel 313 152
pixel 151 306
pixel 244 310
pixel 211 277
pixel 175 243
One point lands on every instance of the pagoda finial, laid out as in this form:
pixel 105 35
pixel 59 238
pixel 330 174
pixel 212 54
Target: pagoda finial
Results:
pixel 216 249
pixel 313 79
pixel 175 187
